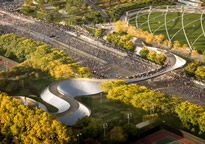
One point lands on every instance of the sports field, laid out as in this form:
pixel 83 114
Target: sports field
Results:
pixel 174 25
pixel 164 137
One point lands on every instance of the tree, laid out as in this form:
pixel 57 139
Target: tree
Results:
pixel 166 44
pixel 176 44
pixel 120 26
pixel 185 46
pixel 83 72
pixel 130 130
pixel 189 114
pixel 144 52
pixel 117 135
pixel 89 127
pixel 25 124
pixel 132 31
pixel 158 38
pixel 123 41
pixel 62 71
pixel 200 72
pixel 151 55
pixel 149 38
pixel 107 85
pixel 191 68
pixel 99 32
pixel 160 58
pixel 194 53
pixel 129 45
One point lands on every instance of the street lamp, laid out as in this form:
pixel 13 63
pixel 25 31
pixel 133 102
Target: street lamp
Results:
pixel 128 117
pixel 78 135
pixel 105 125
pixel 101 97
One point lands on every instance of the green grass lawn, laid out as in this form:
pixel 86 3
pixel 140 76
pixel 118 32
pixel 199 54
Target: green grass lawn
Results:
pixel 108 110
pixel 157 19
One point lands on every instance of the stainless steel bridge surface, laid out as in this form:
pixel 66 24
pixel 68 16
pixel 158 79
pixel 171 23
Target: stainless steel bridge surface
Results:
pixel 70 88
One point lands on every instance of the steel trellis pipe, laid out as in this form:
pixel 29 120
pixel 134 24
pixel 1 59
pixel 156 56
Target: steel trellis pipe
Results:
pixel 201 19
pixel 185 31
pixel 165 24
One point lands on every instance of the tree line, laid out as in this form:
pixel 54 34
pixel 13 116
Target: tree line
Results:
pixel 152 56
pixel 24 124
pixel 35 55
pixel 123 42
pixel 195 69
pixel 191 115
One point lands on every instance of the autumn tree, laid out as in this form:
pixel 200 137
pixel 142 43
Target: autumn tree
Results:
pixel 176 44
pixel 25 124
pixel 99 32
pixel 192 67
pixel 132 31
pixel 151 55
pixel 160 58
pixel 62 71
pixel 200 72
pixel 144 52
pixel 158 38
pixel 107 85
pixel 194 53
pixel 120 26
pixel 166 44
pixel 189 114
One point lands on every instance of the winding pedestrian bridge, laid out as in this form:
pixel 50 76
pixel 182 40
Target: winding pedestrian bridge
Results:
pixel 61 93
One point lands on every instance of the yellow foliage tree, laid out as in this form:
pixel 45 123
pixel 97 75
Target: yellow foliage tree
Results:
pixel 194 53
pixel 132 31
pixel 120 26
pixel 62 71
pixel 185 46
pixel 158 38
pixel 149 38
pixel 166 43
pixel 176 44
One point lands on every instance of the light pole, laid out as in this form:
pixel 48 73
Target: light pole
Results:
pixel 101 97
pixel 128 117
pixel 78 135
pixel 105 125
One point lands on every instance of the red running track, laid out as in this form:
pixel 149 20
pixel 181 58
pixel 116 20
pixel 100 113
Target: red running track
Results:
pixel 151 139
pixel 8 65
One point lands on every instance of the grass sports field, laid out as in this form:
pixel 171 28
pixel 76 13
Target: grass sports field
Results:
pixel 174 24
pixel 164 137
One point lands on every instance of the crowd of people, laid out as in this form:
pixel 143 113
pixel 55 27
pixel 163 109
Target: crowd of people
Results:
pixel 179 85
pixel 60 33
